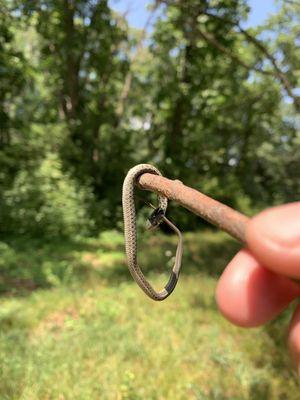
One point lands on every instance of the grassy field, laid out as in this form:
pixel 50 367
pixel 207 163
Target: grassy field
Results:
pixel 75 326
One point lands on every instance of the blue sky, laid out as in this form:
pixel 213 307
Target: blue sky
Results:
pixel 137 15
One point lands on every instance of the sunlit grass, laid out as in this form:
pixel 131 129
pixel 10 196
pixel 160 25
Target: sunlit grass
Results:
pixel 90 333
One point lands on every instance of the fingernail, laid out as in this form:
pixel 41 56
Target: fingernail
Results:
pixel 273 236
pixel 281 224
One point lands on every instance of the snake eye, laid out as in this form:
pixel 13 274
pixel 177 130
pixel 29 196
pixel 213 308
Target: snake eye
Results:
pixel 155 218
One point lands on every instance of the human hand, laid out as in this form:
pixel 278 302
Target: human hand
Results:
pixel 255 287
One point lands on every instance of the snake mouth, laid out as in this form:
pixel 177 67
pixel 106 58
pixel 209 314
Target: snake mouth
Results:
pixel 155 219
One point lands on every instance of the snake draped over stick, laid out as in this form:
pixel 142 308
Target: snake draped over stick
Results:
pixel 156 218
pixel 148 177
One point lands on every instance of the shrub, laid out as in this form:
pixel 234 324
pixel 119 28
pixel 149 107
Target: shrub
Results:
pixel 46 201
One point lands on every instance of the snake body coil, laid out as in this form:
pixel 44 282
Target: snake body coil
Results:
pixel 131 234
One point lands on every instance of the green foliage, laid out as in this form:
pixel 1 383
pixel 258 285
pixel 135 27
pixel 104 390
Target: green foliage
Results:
pixel 83 98
pixel 83 55
pixel 47 201
pixel 102 338
pixel 214 120
pixel 12 74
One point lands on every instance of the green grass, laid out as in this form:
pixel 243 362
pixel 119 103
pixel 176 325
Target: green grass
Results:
pixel 75 326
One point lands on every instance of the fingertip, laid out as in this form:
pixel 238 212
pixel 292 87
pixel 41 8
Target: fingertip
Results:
pixel 273 236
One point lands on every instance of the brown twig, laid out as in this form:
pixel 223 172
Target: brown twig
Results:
pixel 211 210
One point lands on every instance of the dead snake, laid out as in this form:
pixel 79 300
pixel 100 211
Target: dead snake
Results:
pixel 155 219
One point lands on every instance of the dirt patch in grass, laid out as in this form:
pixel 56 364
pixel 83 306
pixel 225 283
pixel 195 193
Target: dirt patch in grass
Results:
pixel 55 322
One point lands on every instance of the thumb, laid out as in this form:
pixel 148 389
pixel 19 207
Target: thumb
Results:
pixel 273 236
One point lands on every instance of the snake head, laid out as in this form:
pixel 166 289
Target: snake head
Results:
pixel 155 218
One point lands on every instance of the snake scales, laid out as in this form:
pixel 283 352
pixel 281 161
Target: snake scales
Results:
pixel 157 217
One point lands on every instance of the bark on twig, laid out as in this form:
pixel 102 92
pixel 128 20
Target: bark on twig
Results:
pixel 211 210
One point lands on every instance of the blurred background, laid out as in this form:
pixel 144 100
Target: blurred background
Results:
pixel 208 91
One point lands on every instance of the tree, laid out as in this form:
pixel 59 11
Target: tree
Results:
pixel 212 119
pixel 13 76
pixel 83 57
pixel 207 100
